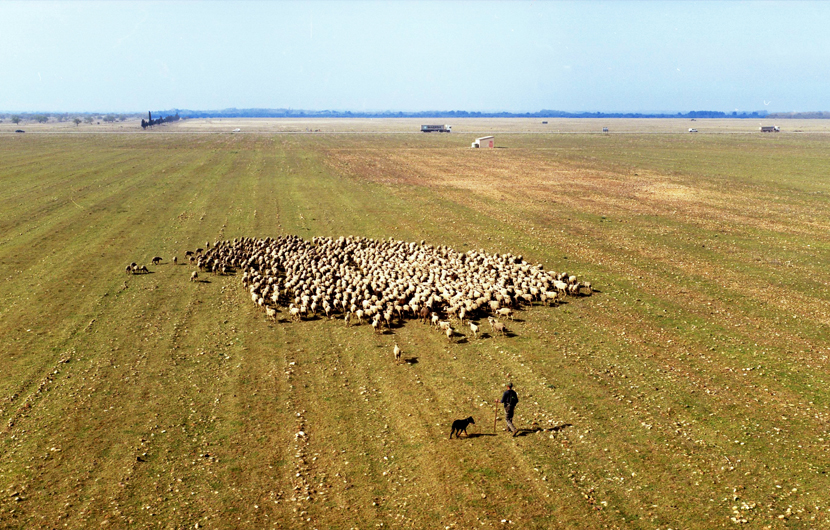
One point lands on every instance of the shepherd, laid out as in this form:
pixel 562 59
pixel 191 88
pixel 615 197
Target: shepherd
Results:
pixel 510 399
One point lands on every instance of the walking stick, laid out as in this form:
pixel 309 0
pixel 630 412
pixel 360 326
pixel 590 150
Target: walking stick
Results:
pixel 496 417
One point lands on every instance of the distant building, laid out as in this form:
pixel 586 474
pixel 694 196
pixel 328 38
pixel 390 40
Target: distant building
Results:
pixel 485 141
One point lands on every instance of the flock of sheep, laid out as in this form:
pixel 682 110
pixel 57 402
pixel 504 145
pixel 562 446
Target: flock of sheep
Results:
pixel 384 281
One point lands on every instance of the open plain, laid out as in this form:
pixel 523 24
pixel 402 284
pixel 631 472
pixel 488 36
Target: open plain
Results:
pixel 689 391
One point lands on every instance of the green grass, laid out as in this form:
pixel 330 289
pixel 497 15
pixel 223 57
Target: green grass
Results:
pixel 693 381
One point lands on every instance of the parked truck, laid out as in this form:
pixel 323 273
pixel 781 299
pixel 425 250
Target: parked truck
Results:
pixel 436 128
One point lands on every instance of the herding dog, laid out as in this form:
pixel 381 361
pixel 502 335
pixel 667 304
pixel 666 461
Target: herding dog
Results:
pixel 459 426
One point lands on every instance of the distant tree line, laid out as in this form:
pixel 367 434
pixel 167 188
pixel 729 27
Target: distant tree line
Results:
pixel 158 121
pixel 176 114
pixel 817 115
pixel 294 113
pixel 60 117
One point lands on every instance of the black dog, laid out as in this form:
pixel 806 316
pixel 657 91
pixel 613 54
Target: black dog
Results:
pixel 459 426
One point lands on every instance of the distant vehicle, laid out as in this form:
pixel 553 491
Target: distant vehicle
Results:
pixel 436 128
pixel 692 130
pixel 770 129
pixel 237 130
pixel 693 119
pixel 544 123
pixel 605 129
pixel 20 130
pixel 484 141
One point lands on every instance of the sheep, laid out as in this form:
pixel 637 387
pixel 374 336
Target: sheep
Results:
pixel 383 278
pixel 156 260
pixel 474 329
pixel 397 352
pixel 271 313
pixel 194 276
pixel 129 269
pixel 142 270
pixel 587 285
pixel 449 333
pixel 496 326
pixel 499 328
pixel 175 260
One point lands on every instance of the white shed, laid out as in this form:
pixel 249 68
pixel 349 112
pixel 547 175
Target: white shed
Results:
pixel 485 141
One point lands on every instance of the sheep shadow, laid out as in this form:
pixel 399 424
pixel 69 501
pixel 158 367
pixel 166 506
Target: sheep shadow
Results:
pixel 410 360
pixel 201 281
pixel 480 434
pixel 534 430
pixel 508 334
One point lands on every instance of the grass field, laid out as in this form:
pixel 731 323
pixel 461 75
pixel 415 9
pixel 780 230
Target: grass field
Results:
pixel 690 391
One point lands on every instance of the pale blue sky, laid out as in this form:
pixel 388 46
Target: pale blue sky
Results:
pixel 479 56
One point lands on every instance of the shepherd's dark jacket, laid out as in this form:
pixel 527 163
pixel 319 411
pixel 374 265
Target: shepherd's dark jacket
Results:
pixel 509 397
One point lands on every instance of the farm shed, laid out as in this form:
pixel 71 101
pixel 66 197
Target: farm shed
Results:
pixel 485 141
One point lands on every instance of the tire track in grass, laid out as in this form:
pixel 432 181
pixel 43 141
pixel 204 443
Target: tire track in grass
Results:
pixel 57 271
pixel 98 376
pixel 380 383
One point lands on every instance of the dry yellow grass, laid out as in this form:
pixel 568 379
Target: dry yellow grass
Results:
pixel 690 391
